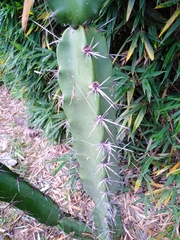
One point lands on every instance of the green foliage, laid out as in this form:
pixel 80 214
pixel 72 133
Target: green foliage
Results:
pixel 28 64
pixel 145 50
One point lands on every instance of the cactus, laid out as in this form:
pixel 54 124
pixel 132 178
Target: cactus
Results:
pixel 75 12
pixel 86 83
pixel 22 195
pixel 15 190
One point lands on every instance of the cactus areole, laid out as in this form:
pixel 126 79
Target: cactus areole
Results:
pixel 75 12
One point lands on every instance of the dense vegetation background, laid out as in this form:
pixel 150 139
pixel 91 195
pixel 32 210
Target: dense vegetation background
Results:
pixel 144 44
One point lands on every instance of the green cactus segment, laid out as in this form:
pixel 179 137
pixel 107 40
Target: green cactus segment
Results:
pixel 86 84
pixel 75 12
pixel 68 225
pixel 23 196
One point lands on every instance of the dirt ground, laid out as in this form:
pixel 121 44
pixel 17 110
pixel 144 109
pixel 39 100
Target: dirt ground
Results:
pixel 29 154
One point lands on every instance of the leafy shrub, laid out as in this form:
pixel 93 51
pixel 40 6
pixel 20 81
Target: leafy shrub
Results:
pixel 29 65
pixel 145 47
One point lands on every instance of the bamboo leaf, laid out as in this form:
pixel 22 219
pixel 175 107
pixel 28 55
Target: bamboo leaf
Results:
pixel 130 94
pixel 174 170
pixel 138 183
pixel 177 130
pixel 123 124
pixel 172 29
pixel 139 118
pixel 149 48
pixel 132 47
pixel 157 185
pixel 25 14
pixel 170 55
pixel 167 4
pixel 165 196
pixel 158 172
pixel 168 197
pixel 147 88
pixel 157 191
pixel 170 22
pixel 136 21
pixel 141 4
pixel 154 14
pixel 145 167
pixel 129 9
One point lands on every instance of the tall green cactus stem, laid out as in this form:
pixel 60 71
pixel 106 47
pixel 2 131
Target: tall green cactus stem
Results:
pixel 86 84
pixel 75 12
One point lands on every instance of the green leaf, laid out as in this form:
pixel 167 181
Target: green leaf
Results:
pixel 170 55
pixel 139 118
pixel 170 22
pixel 129 9
pixel 167 4
pixel 130 94
pixel 122 90
pixel 136 21
pixel 141 4
pixel 156 111
pixel 154 14
pixel 149 48
pixel 134 61
pixel 138 183
pixel 177 130
pixel 146 88
pixel 18 46
pixel 132 46
pixel 147 44
pixel 172 29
